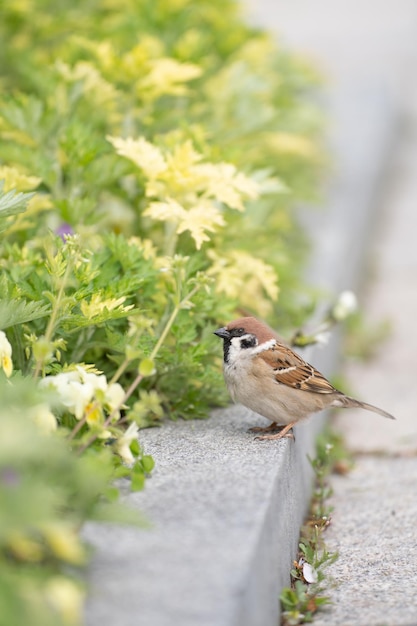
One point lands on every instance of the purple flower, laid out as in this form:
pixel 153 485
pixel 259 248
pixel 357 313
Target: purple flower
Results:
pixel 64 230
pixel 9 477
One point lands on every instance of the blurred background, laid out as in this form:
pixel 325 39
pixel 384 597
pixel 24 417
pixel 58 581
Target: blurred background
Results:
pixel 367 53
pixel 359 41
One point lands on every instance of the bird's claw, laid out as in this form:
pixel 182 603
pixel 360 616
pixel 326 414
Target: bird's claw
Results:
pixel 276 436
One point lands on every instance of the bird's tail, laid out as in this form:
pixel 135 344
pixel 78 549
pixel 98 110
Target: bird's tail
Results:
pixel 347 402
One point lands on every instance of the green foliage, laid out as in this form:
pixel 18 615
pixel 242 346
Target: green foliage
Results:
pixel 151 154
pixel 46 494
pixel 11 203
pixel 18 311
pixel 308 575
pixel 300 604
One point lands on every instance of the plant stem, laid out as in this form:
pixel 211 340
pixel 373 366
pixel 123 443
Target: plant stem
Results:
pixel 52 320
pixel 119 371
pixel 77 428
pixel 140 377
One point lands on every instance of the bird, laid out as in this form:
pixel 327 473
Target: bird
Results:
pixel 267 376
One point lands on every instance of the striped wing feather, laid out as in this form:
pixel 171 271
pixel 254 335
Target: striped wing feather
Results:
pixel 291 370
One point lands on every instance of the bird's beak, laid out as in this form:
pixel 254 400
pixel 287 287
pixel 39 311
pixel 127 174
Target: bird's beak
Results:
pixel 222 332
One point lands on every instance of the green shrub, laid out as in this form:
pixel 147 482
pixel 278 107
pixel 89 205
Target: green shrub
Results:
pixel 152 154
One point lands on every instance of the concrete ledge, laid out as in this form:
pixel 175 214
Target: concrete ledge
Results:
pixel 226 510
pixel 221 505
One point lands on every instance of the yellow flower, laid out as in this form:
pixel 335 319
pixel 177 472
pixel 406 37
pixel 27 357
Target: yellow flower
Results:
pixel 94 414
pixel 5 355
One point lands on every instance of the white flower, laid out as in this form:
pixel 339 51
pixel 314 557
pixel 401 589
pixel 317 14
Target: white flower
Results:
pixel 73 394
pixel 6 355
pixel 122 445
pixel 97 382
pixel 66 598
pixel 309 573
pixel 322 337
pixel 79 389
pixel 44 418
pixel 346 305
pixel 114 396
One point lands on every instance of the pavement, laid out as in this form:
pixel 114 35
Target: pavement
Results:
pixel 375 506
pixel 358 44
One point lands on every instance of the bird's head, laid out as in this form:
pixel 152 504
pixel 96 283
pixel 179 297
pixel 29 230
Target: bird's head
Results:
pixel 245 333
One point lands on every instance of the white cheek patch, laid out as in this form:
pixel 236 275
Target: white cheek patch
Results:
pixel 237 352
pixel 234 349
pixel 266 345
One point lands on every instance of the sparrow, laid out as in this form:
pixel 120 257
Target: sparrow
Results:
pixel 267 376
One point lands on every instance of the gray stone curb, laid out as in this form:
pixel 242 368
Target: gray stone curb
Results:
pixel 225 510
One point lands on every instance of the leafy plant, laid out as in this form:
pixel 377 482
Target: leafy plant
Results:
pixel 300 604
pixel 308 575
pixel 151 155
pixel 46 494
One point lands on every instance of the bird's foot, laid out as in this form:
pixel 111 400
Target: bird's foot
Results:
pixel 284 432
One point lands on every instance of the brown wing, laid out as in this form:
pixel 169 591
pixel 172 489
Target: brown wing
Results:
pixel 291 370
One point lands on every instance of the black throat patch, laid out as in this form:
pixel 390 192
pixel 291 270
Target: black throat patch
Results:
pixel 226 349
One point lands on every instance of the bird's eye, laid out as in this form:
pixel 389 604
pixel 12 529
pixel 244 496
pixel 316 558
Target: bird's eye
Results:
pixel 237 332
